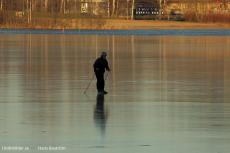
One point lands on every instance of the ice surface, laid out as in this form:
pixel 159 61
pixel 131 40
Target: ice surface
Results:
pixel 167 94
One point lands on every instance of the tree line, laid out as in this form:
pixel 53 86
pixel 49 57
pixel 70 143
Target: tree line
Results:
pixel 90 13
pixel 206 11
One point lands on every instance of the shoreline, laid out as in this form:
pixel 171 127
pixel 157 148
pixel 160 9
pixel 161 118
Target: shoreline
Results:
pixel 163 25
pixel 113 24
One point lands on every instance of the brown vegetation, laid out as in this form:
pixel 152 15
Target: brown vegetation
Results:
pixel 209 18
pixel 217 18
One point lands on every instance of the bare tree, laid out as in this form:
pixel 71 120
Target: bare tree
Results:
pixel 198 7
pixel 62 7
pixel 1 4
pixel 45 3
pixel 113 9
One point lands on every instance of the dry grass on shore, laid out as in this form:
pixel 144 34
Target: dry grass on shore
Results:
pixel 135 24
pixel 157 24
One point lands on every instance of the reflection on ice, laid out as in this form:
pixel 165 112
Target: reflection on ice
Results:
pixel 100 116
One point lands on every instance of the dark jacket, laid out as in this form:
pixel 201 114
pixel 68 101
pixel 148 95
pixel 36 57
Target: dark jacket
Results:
pixel 100 64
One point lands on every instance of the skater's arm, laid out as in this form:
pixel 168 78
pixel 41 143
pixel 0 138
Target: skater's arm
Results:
pixel 95 65
pixel 107 66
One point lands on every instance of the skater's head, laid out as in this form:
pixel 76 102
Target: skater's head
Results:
pixel 103 55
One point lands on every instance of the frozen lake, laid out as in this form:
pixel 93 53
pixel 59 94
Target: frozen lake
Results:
pixel 200 32
pixel 167 93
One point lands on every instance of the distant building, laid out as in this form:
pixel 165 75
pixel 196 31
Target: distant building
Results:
pixel 96 7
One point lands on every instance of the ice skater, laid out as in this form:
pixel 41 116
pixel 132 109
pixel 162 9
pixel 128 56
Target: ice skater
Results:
pixel 100 65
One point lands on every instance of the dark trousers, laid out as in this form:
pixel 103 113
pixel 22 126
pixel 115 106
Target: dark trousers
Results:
pixel 100 81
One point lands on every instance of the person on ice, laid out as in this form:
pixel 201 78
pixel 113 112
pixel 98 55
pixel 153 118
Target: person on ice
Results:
pixel 100 65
